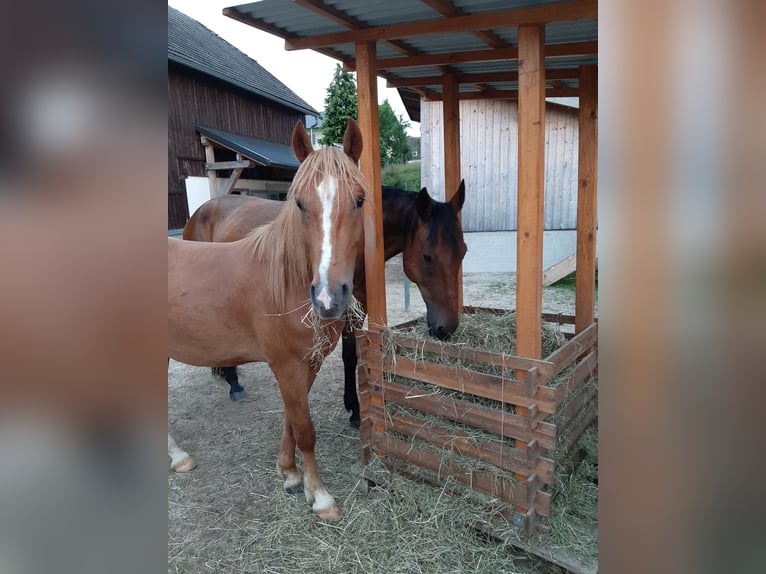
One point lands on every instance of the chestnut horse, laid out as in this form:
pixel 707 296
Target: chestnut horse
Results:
pixel 426 232
pixel 245 301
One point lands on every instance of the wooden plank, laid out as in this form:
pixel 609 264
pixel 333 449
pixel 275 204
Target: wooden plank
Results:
pixel 581 343
pixel 231 182
pixel 571 436
pixel 534 15
pixel 446 58
pixel 228 164
pixel 454 440
pixel 587 191
pixel 576 404
pixel 504 488
pixel 367 97
pixel 465 380
pixel 506 425
pixel 212 177
pixel 451 126
pixel 507 94
pixel 584 371
pixel 558 271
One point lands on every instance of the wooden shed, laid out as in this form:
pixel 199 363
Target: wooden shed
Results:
pixel 451 51
pixel 229 120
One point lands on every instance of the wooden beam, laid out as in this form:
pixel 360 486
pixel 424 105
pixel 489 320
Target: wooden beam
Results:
pixel 451 123
pixel 559 270
pixel 507 94
pixel 558 12
pixel 447 8
pixel 212 177
pixel 587 188
pixel 367 98
pixel 231 182
pixel 529 250
pixel 480 78
pixel 554 50
pixel 229 164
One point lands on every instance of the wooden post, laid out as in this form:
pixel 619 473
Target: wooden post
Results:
pixel 374 262
pixel 212 176
pixel 529 234
pixel 587 186
pixel 529 243
pixel 367 94
pixel 451 123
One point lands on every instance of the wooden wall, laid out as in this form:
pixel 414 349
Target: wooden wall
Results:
pixel 197 99
pixel 489 162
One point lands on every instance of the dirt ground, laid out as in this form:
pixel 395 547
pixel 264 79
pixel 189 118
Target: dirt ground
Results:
pixel 216 511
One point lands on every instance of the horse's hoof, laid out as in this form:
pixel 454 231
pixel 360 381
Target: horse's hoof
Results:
pixel 294 489
pixel 331 514
pixel 238 396
pixel 186 465
pixel 354 422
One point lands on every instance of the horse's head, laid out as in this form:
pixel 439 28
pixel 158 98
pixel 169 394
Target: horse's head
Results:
pixel 329 191
pixel 433 256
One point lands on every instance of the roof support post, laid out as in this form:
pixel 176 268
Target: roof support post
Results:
pixel 367 93
pixel 451 123
pixel 212 176
pixel 587 179
pixel 529 242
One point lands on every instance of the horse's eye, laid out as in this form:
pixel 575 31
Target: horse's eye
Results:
pixel 427 258
pixel 299 204
pixel 360 201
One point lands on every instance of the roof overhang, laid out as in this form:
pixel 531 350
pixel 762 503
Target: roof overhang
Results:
pixel 262 152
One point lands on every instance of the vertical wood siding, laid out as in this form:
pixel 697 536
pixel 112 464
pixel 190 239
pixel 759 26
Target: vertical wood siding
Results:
pixel 489 163
pixel 196 99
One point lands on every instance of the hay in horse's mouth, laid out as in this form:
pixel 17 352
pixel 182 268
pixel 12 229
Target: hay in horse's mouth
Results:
pixel 323 344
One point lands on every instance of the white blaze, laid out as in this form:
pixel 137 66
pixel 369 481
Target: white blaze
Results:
pixel 326 191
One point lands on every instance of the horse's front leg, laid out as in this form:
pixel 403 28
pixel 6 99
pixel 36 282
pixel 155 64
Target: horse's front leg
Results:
pixel 294 383
pixel 286 460
pixel 350 358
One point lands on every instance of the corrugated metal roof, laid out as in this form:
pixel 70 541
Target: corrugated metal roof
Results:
pixel 262 152
pixel 291 20
pixel 191 44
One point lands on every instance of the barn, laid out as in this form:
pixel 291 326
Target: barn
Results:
pixel 229 121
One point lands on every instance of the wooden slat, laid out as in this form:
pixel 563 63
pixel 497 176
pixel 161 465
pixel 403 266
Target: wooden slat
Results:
pixel 500 487
pixel 581 343
pixel 576 404
pixel 508 94
pixel 212 177
pixel 552 50
pixel 571 436
pixel 454 440
pixel 231 182
pixel 558 12
pixel 510 362
pixel 451 127
pixel 228 164
pixel 584 371
pixel 587 190
pixel 558 271
pixel 473 414
pixel 367 97
pixel 467 381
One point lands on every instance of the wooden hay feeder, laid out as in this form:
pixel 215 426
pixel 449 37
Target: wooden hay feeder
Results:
pixel 495 423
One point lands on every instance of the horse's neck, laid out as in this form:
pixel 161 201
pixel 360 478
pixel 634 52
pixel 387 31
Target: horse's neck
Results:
pixel 397 212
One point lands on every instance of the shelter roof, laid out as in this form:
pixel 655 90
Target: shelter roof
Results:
pixel 417 42
pixel 193 45
pixel 262 152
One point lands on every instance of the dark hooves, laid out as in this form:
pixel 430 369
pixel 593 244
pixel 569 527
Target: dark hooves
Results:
pixel 354 422
pixel 218 371
pixel 238 396
pixel 297 489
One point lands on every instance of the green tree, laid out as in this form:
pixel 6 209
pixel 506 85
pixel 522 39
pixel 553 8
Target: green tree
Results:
pixel 393 137
pixel 340 103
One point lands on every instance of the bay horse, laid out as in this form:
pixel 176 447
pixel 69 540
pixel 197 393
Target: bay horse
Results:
pixel 427 233
pixel 244 301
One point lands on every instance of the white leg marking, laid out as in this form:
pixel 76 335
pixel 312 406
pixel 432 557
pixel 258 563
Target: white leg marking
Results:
pixel 178 456
pixel 326 191
pixel 322 500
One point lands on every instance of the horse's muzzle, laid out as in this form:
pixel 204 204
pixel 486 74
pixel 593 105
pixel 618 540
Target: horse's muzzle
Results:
pixel 330 304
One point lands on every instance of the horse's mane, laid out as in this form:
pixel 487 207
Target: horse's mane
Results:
pixel 282 243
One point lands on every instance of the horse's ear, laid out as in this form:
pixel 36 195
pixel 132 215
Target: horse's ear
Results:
pixel 458 199
pixel 352 140
pixel 302 147
pixel 423 205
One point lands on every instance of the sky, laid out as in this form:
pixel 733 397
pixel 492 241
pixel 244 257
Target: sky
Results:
pixel 305 72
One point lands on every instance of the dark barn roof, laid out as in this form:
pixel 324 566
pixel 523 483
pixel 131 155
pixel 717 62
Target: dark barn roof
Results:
pixel 191 44
pixel 261 151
